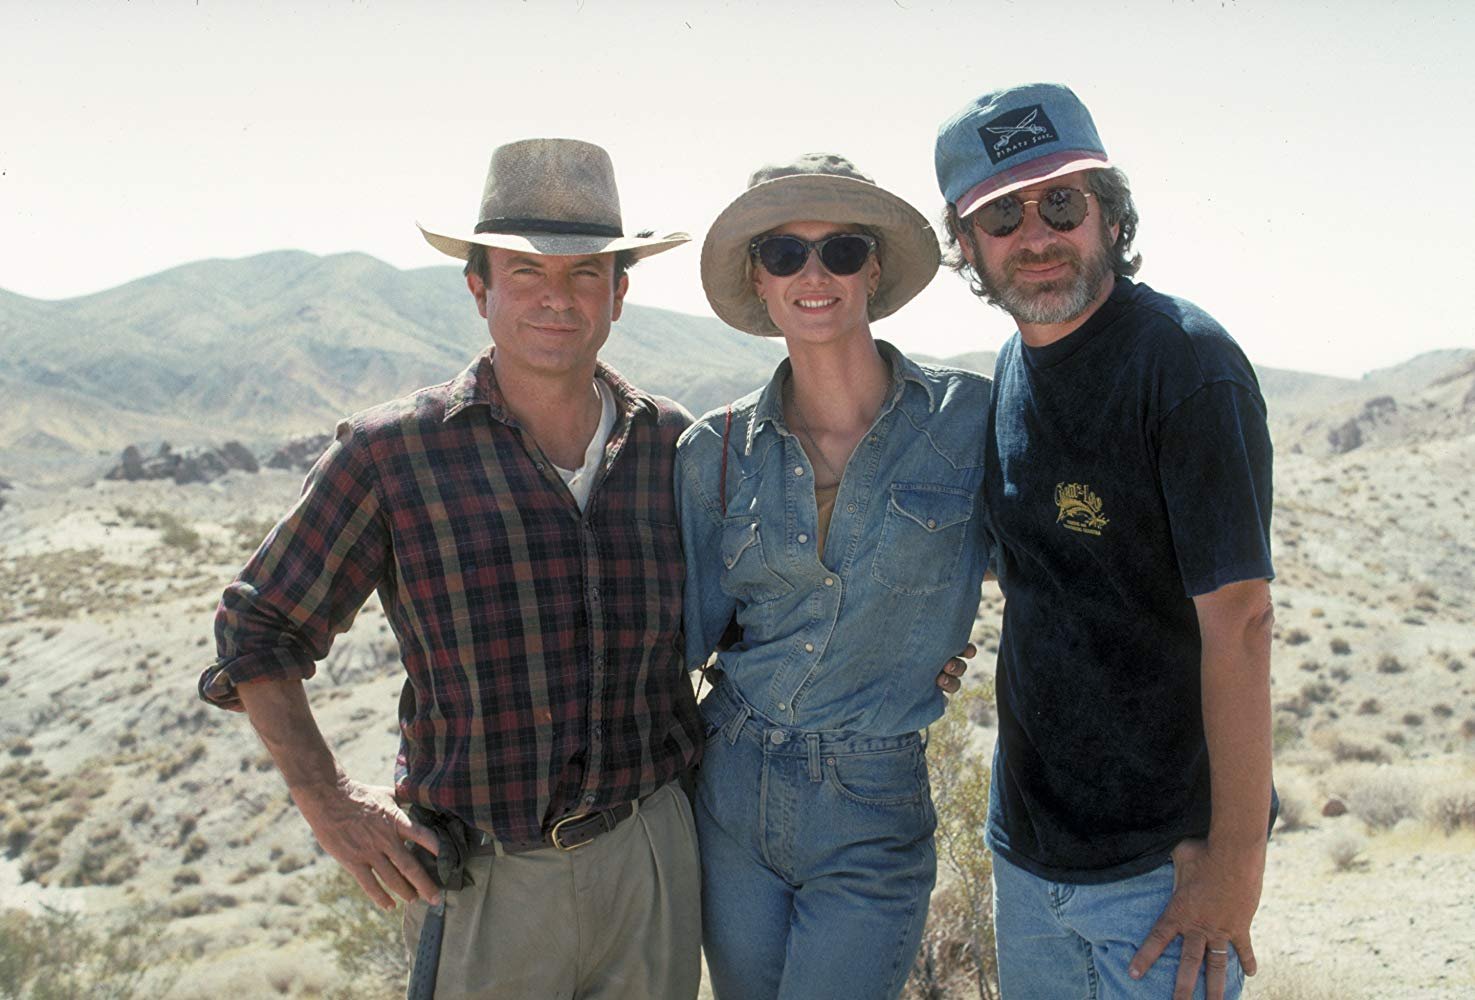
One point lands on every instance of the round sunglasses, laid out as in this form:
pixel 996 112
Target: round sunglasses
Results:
pixel 1061 208
pixel 842 254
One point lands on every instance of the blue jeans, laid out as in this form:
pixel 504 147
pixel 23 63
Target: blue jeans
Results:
pixel 1058 941
pixel 817 857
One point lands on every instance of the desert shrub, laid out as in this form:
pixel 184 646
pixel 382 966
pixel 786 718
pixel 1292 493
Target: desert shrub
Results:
pixel 1341 647
pixel 1344 750
pixel 1316 692
pixel 1344 850
pixel 1341 675
pixel 198 903
pixel 1442 711
pixel 1383 797
pixel 367 942
pixel 55 956
pixel 1369 706
pixel 1453 809
pixel 1285 733
pixel 1294 809
pixel 1412 719
pixel 959 939
pixel 1390 665
pixel 1295 637
pixel 1310 666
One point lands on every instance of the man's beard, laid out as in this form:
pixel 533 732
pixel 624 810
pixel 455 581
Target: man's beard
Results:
pixel 1046 302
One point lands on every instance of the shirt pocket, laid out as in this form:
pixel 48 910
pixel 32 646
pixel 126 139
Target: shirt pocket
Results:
pixel 745 572
pixel 922 537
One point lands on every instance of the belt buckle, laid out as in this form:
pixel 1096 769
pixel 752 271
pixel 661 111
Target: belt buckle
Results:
pixel 553 834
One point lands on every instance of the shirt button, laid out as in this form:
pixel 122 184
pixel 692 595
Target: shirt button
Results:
pixel 777 737
pixel 798 470
pixel 829 581
pixel 540 466
pixel 874 438
pixel 803 538
pixel 728 561
pixel 850 508
pixel 588 800
pixel 809 647
pixel 783 707
pixel 931 522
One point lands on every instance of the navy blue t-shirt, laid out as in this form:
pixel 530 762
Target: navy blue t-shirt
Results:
pixel 1128 471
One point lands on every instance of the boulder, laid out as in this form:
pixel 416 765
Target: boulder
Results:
pixel 299 452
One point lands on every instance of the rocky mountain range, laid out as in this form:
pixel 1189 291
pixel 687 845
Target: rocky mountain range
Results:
pixel 285 343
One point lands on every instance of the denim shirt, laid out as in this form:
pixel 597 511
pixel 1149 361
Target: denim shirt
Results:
pixel 853 642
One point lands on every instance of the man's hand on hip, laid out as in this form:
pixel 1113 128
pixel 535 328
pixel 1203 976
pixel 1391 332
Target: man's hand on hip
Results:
pixel 1214 899
pixel 365 830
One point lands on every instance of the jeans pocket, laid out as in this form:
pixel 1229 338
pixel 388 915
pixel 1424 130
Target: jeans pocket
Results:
pixel 922 537
pixel 882 778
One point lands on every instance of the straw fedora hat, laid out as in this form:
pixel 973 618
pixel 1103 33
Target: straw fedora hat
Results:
pixel 822 187
pixel 554 197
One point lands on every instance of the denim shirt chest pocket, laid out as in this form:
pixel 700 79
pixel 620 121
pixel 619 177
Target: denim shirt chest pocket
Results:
pixel 745 570
pixel 922 537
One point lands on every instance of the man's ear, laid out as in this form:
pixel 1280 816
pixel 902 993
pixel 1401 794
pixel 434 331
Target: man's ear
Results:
pixel 621 287
pixel 478 289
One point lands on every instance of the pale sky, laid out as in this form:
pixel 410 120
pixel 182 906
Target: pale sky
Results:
pixel 1302 168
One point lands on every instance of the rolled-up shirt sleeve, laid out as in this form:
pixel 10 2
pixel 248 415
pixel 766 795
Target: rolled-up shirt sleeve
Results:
pixel 306 581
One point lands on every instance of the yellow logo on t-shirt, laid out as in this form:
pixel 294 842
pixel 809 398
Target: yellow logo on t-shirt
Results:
pixel 1080 509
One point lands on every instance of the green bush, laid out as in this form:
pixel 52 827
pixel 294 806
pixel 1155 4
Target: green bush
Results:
pixel 367 942
pixel 54 956
pixel 957 956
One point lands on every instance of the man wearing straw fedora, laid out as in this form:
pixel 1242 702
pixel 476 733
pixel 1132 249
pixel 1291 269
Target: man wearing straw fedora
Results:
pixel 519 526
pixel 1128 490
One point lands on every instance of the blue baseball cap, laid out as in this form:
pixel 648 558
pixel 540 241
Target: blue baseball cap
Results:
pixel 1009 139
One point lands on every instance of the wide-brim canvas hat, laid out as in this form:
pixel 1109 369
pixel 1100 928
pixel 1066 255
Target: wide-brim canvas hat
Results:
pixel 555 197
pixel 819 187
pixel 1009 139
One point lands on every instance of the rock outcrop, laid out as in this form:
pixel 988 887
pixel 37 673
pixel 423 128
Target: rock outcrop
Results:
pixel 193 465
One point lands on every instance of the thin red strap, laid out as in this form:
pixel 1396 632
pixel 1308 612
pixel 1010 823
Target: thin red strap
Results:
pixel 722 480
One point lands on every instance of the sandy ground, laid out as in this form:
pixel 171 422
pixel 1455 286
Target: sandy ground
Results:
pixel 106 599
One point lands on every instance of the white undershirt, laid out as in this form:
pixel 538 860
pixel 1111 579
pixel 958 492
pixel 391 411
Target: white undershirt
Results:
pixel 581 480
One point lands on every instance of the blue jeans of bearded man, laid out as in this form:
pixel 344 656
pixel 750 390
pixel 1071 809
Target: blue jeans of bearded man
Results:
pixel 817 857
pixel 1064 941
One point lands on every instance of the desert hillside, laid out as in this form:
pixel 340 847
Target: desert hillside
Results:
pixel 155 819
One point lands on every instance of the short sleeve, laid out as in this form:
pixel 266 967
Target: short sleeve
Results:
pixel 1214 463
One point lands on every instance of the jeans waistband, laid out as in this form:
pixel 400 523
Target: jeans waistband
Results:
pixel 729 712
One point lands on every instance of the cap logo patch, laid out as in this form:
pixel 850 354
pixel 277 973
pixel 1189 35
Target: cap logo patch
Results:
pixel 1015 132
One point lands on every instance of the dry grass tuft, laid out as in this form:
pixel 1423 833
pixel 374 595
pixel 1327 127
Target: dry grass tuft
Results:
pixel 1344 850
pixel 1383 797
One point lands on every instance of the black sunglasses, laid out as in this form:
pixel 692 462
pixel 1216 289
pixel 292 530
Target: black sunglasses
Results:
pixel 1062 208
pixel 841 254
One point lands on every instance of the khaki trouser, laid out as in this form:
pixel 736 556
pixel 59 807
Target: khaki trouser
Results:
pixel 617 919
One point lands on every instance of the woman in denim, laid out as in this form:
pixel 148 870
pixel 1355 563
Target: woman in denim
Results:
pixel 830 516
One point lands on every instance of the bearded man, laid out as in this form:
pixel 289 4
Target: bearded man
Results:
pixel 1128 491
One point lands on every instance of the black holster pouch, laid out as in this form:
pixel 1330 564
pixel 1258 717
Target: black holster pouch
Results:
pixel 448 869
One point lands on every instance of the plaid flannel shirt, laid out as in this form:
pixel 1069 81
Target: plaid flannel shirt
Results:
pixel 542 646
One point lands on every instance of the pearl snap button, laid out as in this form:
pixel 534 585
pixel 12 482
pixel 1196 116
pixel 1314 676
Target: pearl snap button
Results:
pixel 803 538
pixel 777 737
pixel 829 581
pixel 798 470
pixel 931 522
pixel 809 647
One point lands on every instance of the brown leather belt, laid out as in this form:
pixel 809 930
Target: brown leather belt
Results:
pixel 568 834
